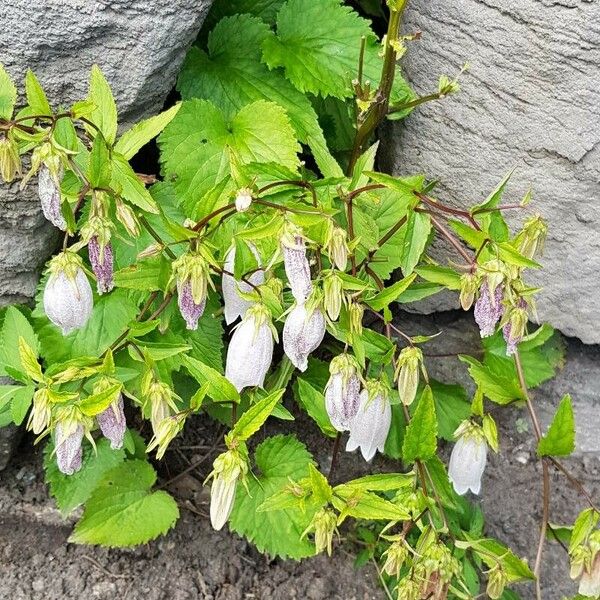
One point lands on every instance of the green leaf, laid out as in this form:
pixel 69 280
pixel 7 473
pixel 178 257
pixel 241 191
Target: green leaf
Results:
pixel 494 198
pixel 219 388
pixel 99 170
pixel 511 255
pixel 197 145
pixel 8 94
pixel 231 75
pixel 123 511
pixel 36 97
pixel 104 116
pixel 265 9
pixel 252 420
pixel 380 482
pixel 276 532
pixel 416 234
pixel 390 294
pixel 148 275
pixel 443 275
pixel 70 491
pixel 14 327
pixel 473 237
pixel 497 387
pixel 313 402
pixel 420 441
pixel 143 132
pixel 360 504
pixel 451 407
pixel 245 261
pixel 128 184
pixel 21 401
pixel 560 438
pixel 96 403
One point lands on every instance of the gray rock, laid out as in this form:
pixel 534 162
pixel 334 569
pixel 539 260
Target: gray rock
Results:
pixel 139 45
pixel 532 100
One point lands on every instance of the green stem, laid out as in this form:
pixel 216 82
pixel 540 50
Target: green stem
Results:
pixel 157 237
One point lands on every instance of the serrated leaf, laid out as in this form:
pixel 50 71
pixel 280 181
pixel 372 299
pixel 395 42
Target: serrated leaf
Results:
pixel 420 440
pixel 8 94
pixel 21 401
pixel 94 404
pixel 219 388
pixel 99 167
pixel 560 437
pixel 265 9
pixel 15 326
pixel 123 511
pixel 390 294
pixel 231 75
pixel 29 360
pixel 71 491
pixel 361 504
pixel 473 237
pixel 197 145
pixel 104 115
pixel 127 183
pixel 494 198
pixel 143 132
pixel 313 402
pixel 497 387
pixel 443 275
pixel 380 482
pixel 276 532
pixel 36 97
pixel 252 420
pixel 416 233
pixel 149 275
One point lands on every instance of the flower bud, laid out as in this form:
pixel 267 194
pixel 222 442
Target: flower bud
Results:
pixel 497 580
pixel 127 218
pixel 303 332
pixel 514 329
pixel 324 526
pixel 296 265
pixel 342 392
pixel 333 291
pixel 112 419
pixel 68 298
pixel 370 426
pixel 50 196
pixel 164 433
pixel 407 373
pixel 101 259
pixel 589 584
pixel 408 589
pixel 159 402
pixel 228 468
pixel 41 412
pixel 469 284
pixel 468 458
pixel 355 317
pixel 243 199
pixel 532 238
pixel 337 247
pixel 191 271
pixel 10 161
pixel 488 309
pixel 152 250
pixel 395 557
pixel 250 350
pixel 235 305
pixel 70 428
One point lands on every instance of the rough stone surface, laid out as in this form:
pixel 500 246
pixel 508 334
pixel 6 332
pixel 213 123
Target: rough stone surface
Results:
pixel 532 100
pixel 139 45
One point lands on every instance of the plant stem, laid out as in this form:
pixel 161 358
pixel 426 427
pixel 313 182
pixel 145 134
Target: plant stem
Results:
pixel 442 229
pixel 157 237
pixel 336 449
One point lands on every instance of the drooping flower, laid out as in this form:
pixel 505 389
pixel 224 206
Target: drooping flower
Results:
pixel 159 400
pixel 342 391
pixel 192 274
pixel 370 426
pixel 250 350
pixel 41 412
pixel 235 305
pixel 112 423
pixel 497 580
pixel 101 259
pixel 97 233
pixel 324 527
pixel 407 373
pixel 333 294
pixel 468 458
pixel 469 284
pixel 589 584
pixel 243 199
pixel 337 247
pixel 10 161
pixel 127 218
pixel 303 332
pixel 514 328
pixel 71 426
pixel 488 309
pixel 68 298
pixel 50 198
pixel 296 264
pixel 165 432
pixel 532 238
pixel 228 469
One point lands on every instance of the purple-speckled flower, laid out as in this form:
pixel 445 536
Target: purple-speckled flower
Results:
pixel 112 423
pixel 303 332
pixel 514 328
pixel 101 260
pixel 68 440
pixel 49 193
pixel 189 309
pixel 297 268
pixel 342 392
pixel 488 309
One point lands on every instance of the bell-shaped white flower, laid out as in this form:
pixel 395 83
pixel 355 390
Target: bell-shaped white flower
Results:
pixel 468 459
pixel 342 392
pixel 68 298
pixel 68 436
pixel 296 265
pixel 243 199
pixel 112 423
pixel 303 332
pixel 49 193
pixel 250 350
pixel 235 305
pixel 589 584
pixel 371 424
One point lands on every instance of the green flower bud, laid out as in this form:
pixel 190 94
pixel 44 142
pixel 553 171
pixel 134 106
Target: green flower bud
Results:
pixel 127 218
pixel 164 433
pixel 337 247
pixel 469 286
pixel 407 373
pixel 10 161
pixel 355 314
pixel 497 581
pixel 333 293
pixel 395 556
pixel 532 238
pixel 324 526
